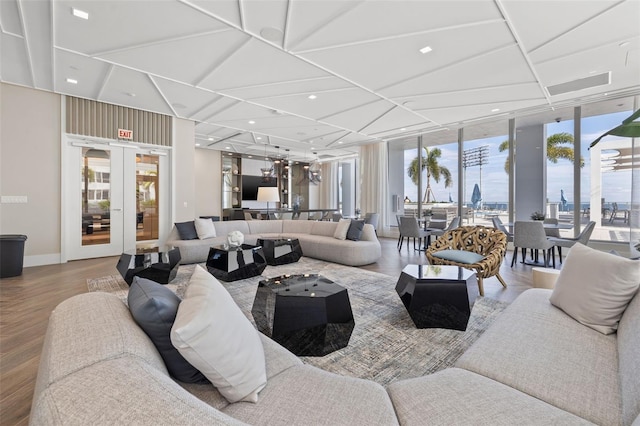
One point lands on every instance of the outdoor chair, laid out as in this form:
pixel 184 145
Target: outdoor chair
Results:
pixel 531 235
pixel 583 238
pixel 409 228
pixel 471 247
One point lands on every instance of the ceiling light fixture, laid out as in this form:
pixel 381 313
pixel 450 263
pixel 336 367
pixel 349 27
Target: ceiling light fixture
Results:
pixel 312 97
pixel 197 144
pixel 72 81
pixel 259 137
pixel 210 139
pixel 495 110
pixel 252 122
pixel 79 13
pixel 340 142
pixel 426 49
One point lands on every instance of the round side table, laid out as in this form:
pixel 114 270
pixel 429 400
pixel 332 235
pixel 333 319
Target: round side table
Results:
pixel 545 277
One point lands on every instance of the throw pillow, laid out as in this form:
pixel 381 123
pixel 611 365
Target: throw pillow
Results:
pixel 355 230
pixel 595 287
pixel 154 307
pixel 187 230
pixel 205 228
pixel 341 230
pixel 213 334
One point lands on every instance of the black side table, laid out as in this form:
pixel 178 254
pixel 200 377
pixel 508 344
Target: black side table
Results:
pixel 152 264
pixel 235 263
pixel 307 314
pixel 436 295
pixel 279 251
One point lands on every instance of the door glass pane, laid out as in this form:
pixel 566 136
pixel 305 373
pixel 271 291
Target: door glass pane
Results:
pixel 95 171
pixel 147 197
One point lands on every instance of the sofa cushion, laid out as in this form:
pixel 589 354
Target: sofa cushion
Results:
pixel 458 397
pixel 213 334
pixel 537 349
pixel 355 230
pixel 306 395
pixel 154 307
pixel 459 256
pixel 629 360
pixel 204 228
pixel 595 287
pixel 341 230
pixel 187 230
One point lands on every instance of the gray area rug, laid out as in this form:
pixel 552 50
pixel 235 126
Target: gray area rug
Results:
pixel 385 345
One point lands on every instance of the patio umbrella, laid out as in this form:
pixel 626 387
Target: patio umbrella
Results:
pixel 476 197
pixel 563 200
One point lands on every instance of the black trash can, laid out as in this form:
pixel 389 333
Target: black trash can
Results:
pixel 11 255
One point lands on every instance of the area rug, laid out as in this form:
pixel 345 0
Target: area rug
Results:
pixel 385 345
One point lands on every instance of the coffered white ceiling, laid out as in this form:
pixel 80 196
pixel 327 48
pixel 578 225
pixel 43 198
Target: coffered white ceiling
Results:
pixel 244 70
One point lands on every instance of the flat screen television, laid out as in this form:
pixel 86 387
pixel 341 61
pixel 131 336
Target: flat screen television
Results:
pixel 250 185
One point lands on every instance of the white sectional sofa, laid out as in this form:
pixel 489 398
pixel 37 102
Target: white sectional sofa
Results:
pixel 535 365
pixel 316 239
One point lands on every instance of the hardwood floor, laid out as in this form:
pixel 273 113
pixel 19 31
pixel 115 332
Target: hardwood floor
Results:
pixel 27 301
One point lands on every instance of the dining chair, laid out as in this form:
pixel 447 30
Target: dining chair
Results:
pixel 583 238
pixel 497 224
pixel 303 216
pixel 530 235
pixel 336 217
pixel 372 219
pixel 409 228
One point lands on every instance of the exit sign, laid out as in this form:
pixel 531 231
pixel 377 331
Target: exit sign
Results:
pixel 125 134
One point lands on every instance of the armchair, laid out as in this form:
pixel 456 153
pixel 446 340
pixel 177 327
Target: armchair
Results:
pixel 472 247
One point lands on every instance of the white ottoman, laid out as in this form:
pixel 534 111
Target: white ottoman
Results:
pixel 544 277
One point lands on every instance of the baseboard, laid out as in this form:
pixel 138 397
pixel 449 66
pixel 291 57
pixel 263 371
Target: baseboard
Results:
pixel 42 259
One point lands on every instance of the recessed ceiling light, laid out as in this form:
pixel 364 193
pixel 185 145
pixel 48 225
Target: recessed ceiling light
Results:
pixel 249 156
pixel 426 49
pixel 495 110
pixel 311 141
pixel 210 139
pixel 252 122
pixel 259 137
pixel 312 97
pixel 133 95
pixel 339 141
pixel 230 154
pixel 72 81
pixel 80 13
pixel 197 144
pixel 403 129
pixel 227 147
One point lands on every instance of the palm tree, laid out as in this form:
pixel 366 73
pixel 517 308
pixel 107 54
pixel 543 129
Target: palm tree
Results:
pixel 556 149
pixel 430 163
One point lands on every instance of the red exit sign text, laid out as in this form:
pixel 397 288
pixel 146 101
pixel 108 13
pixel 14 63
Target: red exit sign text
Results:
pixel 125 134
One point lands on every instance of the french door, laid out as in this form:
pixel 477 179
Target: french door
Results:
pixel 113 198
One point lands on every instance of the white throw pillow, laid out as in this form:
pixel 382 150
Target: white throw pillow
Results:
pixel 595 287
pixel 205 228
pixel 342 229
pixel 215 337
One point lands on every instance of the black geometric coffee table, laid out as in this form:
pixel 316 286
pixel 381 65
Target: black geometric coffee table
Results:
pixel 235 263
pixel 152 264
pixel 279 251
pixel 436 296
pixel 307 314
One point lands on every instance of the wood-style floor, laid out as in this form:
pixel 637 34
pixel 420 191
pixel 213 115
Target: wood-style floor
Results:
pixel 27 301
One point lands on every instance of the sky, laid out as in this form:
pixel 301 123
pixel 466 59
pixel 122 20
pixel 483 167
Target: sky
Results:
pixel 617 185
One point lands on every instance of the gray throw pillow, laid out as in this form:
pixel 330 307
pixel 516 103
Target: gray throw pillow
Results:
pixel 187 230
pixel 355 230
pixel 154 309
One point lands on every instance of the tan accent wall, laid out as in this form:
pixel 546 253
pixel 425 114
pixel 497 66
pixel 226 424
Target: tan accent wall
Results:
pixel 92 118
pixel 208 168
pixel 30 153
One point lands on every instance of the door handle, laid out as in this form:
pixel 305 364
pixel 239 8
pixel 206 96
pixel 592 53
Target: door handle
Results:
pixel 116 210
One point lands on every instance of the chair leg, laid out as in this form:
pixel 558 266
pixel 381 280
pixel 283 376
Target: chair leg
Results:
pixel 514 259
pixel 560 254
pixel 524 255
pixel 504 284
pixel 480 286
pixel 553 253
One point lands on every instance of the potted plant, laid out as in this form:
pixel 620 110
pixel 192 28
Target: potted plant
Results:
pixel 537 216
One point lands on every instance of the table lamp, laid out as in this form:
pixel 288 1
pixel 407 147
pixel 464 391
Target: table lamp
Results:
pixel 268 194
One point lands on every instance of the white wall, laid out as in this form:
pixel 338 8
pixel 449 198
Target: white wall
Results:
pixel 208 182
pixel 30 153
pixel 184 175
pixel 531 171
